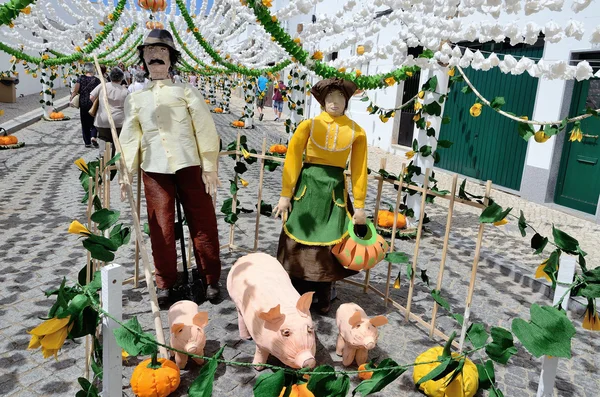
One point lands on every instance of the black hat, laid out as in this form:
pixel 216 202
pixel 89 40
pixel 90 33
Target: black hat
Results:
pixel 159 37
pixel 324 87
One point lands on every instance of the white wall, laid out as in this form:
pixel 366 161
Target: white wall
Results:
pixel 27 84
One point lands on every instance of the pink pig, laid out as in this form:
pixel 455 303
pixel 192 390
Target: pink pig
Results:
pixel 187 331
pixel 357 335
pixel 272 312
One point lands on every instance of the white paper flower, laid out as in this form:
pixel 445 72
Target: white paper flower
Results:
pixel 486 65
pixel 554 5
pixel 574 29
pixel 532 6
pixel 456 52
pixel 532 32
pixel 446 49
pixel 523 65
pixel 553 32
pixel 507 64
pixel 466 59
pixel 580 5
pixel 494 60
pixel 583 71
pixel 595 38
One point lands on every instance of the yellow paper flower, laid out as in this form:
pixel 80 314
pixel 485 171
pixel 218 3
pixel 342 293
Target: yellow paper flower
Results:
pixel 318 55
pixel 428 124
pixel 77 48
pixel 410 155
pixel 45 56
pixel 451 72
pixel 196 29
pixel 540 136
pixel 50 335
pixel 297 40
pixel 273 18
pixel 417 106
pixel 342 70
pixel 77 228
pixel 272 38
pixel 501 222
pixel 590 319
pixel 26 10
pixel 11 25
pixel 390 81
pixel 300 390
pixel 358 72
pixel 101 23
pixel 576 134
pixel 125 30
pixel 417 117
pixel 540 273
pixel 81 164
pixel 397 283
pixel 244 182
pixel 421 94
pixel 409 74
pixel 369 108
pixel 383 118
pixel 267 3
pixel 124 355
pixel 245 153
pixel 476 110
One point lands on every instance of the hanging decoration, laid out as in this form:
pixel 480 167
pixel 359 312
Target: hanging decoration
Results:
pixel 153 5
pixel 295 96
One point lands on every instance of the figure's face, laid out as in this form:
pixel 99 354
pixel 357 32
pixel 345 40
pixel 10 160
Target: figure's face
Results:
pixel 158 60
pixel 335 103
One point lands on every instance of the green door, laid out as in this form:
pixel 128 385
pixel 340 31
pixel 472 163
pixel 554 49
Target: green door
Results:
pixel 578 183
pixel 489 146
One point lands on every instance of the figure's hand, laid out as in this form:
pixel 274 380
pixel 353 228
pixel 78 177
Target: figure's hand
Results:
pixel 283 207
pixel 211 182
pixel 359 218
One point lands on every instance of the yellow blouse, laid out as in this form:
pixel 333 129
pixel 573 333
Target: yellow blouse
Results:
pixel 330 143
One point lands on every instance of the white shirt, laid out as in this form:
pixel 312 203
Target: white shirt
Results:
pixel 116 99
pixel 137 86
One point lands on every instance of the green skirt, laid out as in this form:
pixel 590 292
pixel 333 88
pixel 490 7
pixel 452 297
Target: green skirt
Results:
pixel 318 220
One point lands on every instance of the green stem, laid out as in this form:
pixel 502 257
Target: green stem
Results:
pixel 154 364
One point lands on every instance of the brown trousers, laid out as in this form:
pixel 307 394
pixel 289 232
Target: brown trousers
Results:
pixel 160 190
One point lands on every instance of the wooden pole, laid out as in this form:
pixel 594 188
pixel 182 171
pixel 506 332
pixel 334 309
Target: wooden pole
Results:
pixel 417 243
pixel 122 167
pixel 138 206
pixel 382 164
pixel 96 193
pixel 234 199
pixel 393 239
pixel 260 190
pixel 444 251
pixel 107 152
pixel 112 361
pixel 88 272
pixel 463 331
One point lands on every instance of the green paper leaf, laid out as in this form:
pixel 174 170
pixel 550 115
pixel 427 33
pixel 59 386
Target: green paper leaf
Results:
pixel 103 241
pixel 240 167
pixel 425 150
pixel 424 276
pixel 203 384
pixel 477 335
pixel 440 300
pixel 78 303
pixel 135 343
pixel 433 108
pixel 526 131
pixel 444 143
pixel 493 213
pixel 380 378
pixel 269 384
pixel 265 209
pixel 431 84
pixel 396 257
pixel 415 145
pixel 522 224
pixel 496 393
pixel 564 241
pixel 328 385
pixel 538 243
pixel 88 389
pixel 231 218
pixel 409 271
pixel 487 376
pixel 549 332
pixel 147 228
pixel 113 160
pixel 446 120
pixel 446 366
pixel 501 348
pixel 497 103
pixel 466 90
pixel 233 187
pixel 98 251
pixel 105 218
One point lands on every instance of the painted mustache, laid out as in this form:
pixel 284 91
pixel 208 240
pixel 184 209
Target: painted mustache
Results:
pixel 157 61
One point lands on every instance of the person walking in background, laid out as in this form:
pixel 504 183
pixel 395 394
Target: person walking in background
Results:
pixel 278 99
pixel 261 94
pixel 139 81
pixel 116 94
pixel 193 80
pixel 84 86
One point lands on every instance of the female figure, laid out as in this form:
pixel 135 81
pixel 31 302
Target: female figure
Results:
pixel 116 94
pixel 85 84
pixel 315 194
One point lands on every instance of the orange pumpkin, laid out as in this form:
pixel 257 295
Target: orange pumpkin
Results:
pixel 154 5
pixel 364 375
pixel 279 149
pixel 147 381
pixel 218 110
pixel 300 390
pixel 357 253
pixel 154 25
pixel 6 139
pixel 386 219
pixel 238 123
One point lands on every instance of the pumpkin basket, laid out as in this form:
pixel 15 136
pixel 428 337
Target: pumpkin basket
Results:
pixel 9 141
pixel 358 253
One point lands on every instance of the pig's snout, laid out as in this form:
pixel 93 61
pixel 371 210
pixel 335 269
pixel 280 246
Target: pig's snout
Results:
pixel 370 344
pixel 191 348
pixel 306 359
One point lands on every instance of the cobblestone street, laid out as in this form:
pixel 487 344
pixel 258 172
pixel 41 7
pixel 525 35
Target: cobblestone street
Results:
pixel 40 195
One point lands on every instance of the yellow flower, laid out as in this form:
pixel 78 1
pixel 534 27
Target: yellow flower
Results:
pixel 428 124
pixel 540 136
pixel 369 108
pixel 318 55
pixel 590 320
pixel 397 283
pixel 50 335
pixel 188 30
pixel 245 153
pixel 501 222
pixel 244 182
pixel 196 29
pixel 77 48
pixel 26 10
pixel 576 134
pixel 272 38
pixel 101 23
pixel 417 117
pixel 11 25
pixel 244 2
pixel 383 118
pixel 297 40
pixel 267 3
pixel 358 72
pixel 409 74
pixel 421 94
pixel 77 228
pixel 410 155
pixel 124 355
pixel 81 164
pixel 12 59
pixel 1 112
pixel 125 30
pixel 390 81
pixel 342 70
pixel 417 106
pixel 451 72
pixel 110 16
pixel 476 110
pixel 540 273
pixel 273 18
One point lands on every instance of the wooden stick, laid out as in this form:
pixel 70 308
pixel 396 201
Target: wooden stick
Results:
pixel 444 251
pixel 382 164
pixel 94 227
pixel 88 272
pixel 260 190
pixel 393 239
pixel 234 200
pixel 463 331
pixel 417 243
pixel 138 206
pixel 107 170
pixel 122 167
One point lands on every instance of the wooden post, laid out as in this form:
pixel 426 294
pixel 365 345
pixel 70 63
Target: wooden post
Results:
pixel 234 199
pixel 382 164
pixel 444 251
pixel 88 272
pixel 393 239
pixel 417 243
pixel 94 228
pixel 566 272
pixel 260 189
pixel 112 295
pixel 122 166
pixel 463 331
pixel 108 151
pixel 138 206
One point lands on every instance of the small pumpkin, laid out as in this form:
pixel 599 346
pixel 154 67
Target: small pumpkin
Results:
pixel 155 378
pixel 278 148
pixel 386 219
pixel 54 115
pixel 218 110
pixel 238 123
pixel 465 384
pixel 300 390
pixel 207 100
pixel 6 139
pixel 364 375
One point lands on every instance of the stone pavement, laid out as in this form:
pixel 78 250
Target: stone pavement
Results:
pixel 39 197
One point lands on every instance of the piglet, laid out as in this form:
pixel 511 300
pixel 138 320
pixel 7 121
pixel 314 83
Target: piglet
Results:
pixel 187 331
pixel 272 312
pixel 357 333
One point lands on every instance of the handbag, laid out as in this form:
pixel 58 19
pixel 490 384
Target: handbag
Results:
pixel 75 101
pixel 358 253
pixel 94 109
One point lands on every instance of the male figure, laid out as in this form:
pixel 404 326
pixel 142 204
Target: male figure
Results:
pixel 261 94
pixel 168 132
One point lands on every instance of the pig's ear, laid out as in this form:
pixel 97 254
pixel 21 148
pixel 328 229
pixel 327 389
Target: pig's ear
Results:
pixel 272 316
pixel 201 319
pixel 355 319
pixel 175 328
pixel 378 321
pixel 303 304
